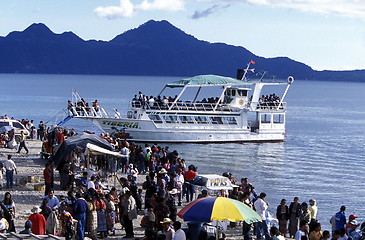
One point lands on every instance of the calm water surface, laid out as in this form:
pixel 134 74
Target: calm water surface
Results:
pixel 322 158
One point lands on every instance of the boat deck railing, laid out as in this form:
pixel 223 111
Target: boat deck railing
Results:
pixel 186 106
pixel 180 106
pixel 209 107
pixel 88 112
pixel 268 106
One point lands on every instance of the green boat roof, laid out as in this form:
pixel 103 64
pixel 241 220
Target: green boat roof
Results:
pixel 206 80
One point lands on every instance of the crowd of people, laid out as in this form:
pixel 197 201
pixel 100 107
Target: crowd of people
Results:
pixel 141 100
pixel 298 220
pixel 159 102
pixel 81 107
pixel 98 210
pixel 269 101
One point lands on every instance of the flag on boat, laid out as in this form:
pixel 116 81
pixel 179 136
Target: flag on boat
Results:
pixel 252 62
pixel 251 70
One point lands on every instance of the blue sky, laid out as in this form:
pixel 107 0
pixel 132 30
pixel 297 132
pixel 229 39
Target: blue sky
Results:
pixel 324 34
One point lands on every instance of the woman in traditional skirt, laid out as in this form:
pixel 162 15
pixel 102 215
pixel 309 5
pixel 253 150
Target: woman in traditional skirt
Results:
pixel 110 214
pixel 101 213
pixel 114 194
pixel 92 218
pixel 282 214
pixel 294 210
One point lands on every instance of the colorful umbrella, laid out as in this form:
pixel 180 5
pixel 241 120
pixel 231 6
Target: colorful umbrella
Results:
pixel 218 208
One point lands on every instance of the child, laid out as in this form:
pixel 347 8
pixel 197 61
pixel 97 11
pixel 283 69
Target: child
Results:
pixel 139 200
pixel 28 226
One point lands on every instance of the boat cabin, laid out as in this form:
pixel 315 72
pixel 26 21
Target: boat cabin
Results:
pixel 236 97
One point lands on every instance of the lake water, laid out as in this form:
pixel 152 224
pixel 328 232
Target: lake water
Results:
pixel 322 157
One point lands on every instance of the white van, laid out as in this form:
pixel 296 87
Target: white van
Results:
pixel 18 127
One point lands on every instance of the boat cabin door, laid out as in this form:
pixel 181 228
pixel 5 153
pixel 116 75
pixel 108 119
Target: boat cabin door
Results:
pixel 236 97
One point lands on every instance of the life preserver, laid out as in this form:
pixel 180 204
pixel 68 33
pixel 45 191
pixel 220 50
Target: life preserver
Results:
pixel 129 114
pixel 290 79
pixel 241 102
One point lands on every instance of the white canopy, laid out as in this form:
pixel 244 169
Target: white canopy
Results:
pixel 96 150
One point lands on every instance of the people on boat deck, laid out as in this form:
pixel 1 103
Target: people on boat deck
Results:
pixel 269 101
pixel 162 102
pixel 82 107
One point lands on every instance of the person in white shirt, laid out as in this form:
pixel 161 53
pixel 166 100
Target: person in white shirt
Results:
pixel 151 101
pixel 261 227
pixel 179 233
pixel 91 183
pixel 302 231
pixel 124 160
pixel 10 167
pixel 179 178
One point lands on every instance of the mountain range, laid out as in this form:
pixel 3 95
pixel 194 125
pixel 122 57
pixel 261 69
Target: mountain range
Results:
pixel 156 48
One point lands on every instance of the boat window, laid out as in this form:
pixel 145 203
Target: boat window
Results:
pixel 155 118
pixel 2 124
pixel 201 120
pixel 233 92
pixel 279 118
pixel 265 118
pixel 17 125
pixel 167 119
pixel 229 120
pixel 242 93
pixel 217 120
pixel 173 119
pixel 186 119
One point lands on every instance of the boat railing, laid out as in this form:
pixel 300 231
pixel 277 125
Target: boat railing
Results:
pixel 185 106
pixel 88 112
pixel 267 106
pixel 210 107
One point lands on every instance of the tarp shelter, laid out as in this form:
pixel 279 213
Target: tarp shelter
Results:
pixel 78 142
pixel 213 182
pixel 96 150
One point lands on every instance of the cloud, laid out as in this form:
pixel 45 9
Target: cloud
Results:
pixel 128 9
pixel 125 9
pixel 166 5
pixel 346 8
pixel 36 10
pixel 206 12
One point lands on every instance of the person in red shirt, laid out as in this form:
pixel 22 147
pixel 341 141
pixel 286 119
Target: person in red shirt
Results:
pixel 47 174
pixel 38 221
pixel 352 224
pixel 189 188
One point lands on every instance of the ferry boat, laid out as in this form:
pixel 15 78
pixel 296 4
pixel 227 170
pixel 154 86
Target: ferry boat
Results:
pixel 240 113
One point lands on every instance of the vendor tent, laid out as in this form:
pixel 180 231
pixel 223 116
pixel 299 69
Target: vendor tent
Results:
pixel 78 142
pixel 213 182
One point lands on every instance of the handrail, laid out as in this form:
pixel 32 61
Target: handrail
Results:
pixel 88 112
pixel 186 106
pixel 272 106
pixel 210 107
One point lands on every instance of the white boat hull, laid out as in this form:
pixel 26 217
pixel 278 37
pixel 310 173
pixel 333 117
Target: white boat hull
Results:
pixel 146 131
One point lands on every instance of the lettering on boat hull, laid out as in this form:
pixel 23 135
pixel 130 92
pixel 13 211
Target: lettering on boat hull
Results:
pixel 121 124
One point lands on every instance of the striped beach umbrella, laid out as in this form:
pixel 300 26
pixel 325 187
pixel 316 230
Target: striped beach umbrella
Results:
pixel 218 208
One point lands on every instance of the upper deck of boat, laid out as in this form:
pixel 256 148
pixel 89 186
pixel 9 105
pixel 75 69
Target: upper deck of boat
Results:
pixel 180 107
